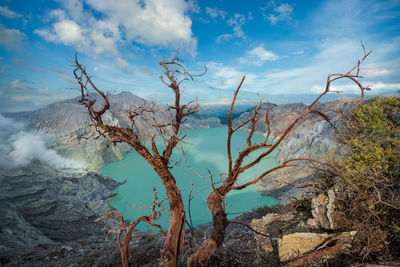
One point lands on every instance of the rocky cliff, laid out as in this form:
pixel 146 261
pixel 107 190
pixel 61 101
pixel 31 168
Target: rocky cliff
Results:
pixel 313 137
pixel 44 207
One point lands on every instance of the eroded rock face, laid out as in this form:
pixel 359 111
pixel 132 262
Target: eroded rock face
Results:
pixel 319 210
pixel 16 231
pixel 325 212
pixel 313 137
pixel 294 245
pixel 39 208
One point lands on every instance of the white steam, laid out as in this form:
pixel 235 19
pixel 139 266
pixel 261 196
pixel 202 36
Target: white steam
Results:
pixel 18 148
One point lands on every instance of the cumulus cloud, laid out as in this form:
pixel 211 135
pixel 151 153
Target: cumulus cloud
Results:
pixel 148 22
pixel 276 13
pixel 258 56
pixel 19 148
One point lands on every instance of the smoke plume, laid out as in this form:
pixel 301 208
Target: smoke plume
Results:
pixel 18 148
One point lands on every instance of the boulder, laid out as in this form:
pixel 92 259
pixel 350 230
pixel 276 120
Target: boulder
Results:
pixel 262 226
pixel 300 248
pixel 294 245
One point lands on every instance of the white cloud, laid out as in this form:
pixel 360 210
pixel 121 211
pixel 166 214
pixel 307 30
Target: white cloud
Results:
pixel 149 22
pixel 222 101
pixel 224 37
pixel 20 98
pixel 17 84
pixel 11 38
pixel 122 65
pixel 258 56
pixel 215 13
pixel 66 32
pixel 277 13
pixel 351 18
pixel 74 8
pixel 332 56
pixel 373 70
pixel 384 86
pixel 85 39
pixel 237 21
pixel 9 14
pixel 225 77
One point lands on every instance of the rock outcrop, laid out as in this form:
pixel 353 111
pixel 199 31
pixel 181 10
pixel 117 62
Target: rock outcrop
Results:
pixel 294 245
pixel 16 232
pixel 312 138
pixel 325 211
pixel 41 208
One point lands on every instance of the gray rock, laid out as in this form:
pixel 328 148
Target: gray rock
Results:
pixel 312 138
pixel 319 210
pixel 16 232
pixel 42 208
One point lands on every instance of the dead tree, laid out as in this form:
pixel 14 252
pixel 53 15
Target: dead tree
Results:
pixel 156 209
pixel 161 161
pixel 216 199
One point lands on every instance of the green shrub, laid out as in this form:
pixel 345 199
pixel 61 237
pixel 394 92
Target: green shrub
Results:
pixel 371 135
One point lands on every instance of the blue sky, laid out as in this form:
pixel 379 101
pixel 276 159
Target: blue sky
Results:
pixel 285 48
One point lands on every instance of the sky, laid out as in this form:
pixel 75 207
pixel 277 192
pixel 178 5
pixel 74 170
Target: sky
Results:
pixel 286 49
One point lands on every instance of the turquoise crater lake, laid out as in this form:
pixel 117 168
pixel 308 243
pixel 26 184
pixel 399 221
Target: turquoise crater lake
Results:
pixel 205 150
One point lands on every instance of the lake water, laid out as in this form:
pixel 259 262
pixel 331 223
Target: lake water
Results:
pixel 205 150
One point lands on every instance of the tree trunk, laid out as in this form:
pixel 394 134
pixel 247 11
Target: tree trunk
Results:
pixel 124 256
pixel 215 205
pixel 176 232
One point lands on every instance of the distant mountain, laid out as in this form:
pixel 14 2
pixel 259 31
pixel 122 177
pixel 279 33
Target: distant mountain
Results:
pixel 67 124
pixel 220 111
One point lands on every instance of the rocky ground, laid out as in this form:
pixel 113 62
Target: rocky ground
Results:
pixel 47 215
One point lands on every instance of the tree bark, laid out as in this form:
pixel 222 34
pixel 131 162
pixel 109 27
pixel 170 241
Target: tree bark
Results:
pixel 215 205
pixel 124 257
pixel 176 232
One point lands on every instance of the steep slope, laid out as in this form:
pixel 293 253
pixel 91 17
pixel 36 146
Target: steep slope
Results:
pixel 42 206
pixel 312 138
pixel 67 126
